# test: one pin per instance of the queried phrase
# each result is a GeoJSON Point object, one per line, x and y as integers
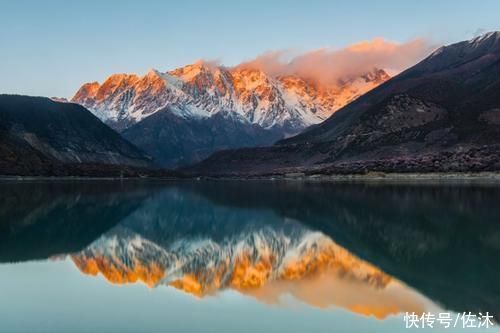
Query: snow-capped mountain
{"type": "Point", "coordinates": [268, 259]}
{"type": "Point", "coordinates": [202, 90]}
{"type": "Point", "coordinates": [183, 116]}
{"type": "Point", "coordinates": [242, 261]}
{"type": "Point", "coordinates": [440, 115]}
{"type": "Point", "coordinates": [182, 239]}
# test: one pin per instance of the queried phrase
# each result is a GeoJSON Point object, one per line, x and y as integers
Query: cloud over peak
{"type": "Point", "coordinates": [328, 66]}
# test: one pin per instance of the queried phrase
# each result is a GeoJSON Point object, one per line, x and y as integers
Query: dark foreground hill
{"type": "Point", "coordinates": [39, 136]}
{"type": "Point", "coordinates": [441, 115]}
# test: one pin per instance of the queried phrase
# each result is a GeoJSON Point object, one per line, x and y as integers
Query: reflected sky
{"type": "Point", "coordinates": [55, 297]}
{"type": "Point", "coordinates": [212, 257]}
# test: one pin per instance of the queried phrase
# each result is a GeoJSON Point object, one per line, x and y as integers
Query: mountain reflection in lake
{"type": "Point", "coordinates": [374, 251]}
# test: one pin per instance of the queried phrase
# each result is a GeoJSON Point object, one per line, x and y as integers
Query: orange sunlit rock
{"type": "Point", "coordinates": [315, 271]}
{"type": "Point", "coordinates": [118, 273]}
{"type": "Point", "coordinates": [190, 284]}
{"type": "Point", "coordinates": [258, 96]}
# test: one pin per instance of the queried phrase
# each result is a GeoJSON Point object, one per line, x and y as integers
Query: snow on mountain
{"type": "Point", "coordinates": [441, 115]}
{"type": "Point", "coordinates": [203, 266]}
{"type": "Point", "coordinates": [202, 90]}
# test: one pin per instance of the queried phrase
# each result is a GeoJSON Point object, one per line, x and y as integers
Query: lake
{"type": "Point", "coordinates": [247, 256]}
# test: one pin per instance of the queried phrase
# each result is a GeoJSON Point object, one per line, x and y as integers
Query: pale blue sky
{"type": "Point", "coordinates": [51, 47]}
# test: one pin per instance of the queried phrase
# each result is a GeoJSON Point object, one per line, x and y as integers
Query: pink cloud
{"type": "Point", "coordinates": [328, 66]}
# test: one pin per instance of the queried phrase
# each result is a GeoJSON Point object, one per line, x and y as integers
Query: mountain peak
{"type": "Point", "coordinates": [488, 39]}
{"type": "Point", "coordinates": [204, 87]}
{"type": "Point", "coordinates": [440, 115]}
{"type": "Point", "coordinates": [470, 53]}
{"type": "Point", "coordinates": [86, 92]}
{"type": "Point", "coordinates": [189, 72]}
{"type": "Point", "coordinates": [120, 77]}
{"type": "Point", "coordinates": [489, 36]}
{"type": "Point", "coordinates": [153, 73]}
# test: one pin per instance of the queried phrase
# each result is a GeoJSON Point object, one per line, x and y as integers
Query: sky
{"type": "Point", "coordinates": [49, 48]}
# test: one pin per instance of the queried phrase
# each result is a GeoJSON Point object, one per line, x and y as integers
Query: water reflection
{"type": "Point", "coordinates": [41, 219]}
{"type": "Point", "coordinates": [375, 250]}
{"type": "Point", "coordinates": [264, 261]}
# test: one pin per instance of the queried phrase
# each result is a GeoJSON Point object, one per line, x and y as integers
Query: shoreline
{"type": "Point", "coordinates": [434, 177]}
{"type": "Point", "coordinates": [371, 177]}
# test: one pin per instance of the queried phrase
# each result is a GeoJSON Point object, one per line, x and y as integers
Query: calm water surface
{"type": "Point", "coordinates": [244, 256]}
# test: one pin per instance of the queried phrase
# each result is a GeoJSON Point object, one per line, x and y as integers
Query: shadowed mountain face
{"type": "Point", "coordinates": [182, 116]}
{"type": "Point", "coordinates": [41, 137]}
{"type": "Point", "coordinates": [179, 141]}
{"type": "Point", "coordinates": [326, 244]}
{"type": "Point", "coordinates": [440, 115]}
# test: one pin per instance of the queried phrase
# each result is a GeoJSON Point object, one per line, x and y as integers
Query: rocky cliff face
{"type": "Point", "coordinates": [440, 115]}
{"type": "Point", "coordinates": [182, 116]}
{"type": "Point", "coordinates": [202, 90]}
{"type": "Point", "coordinates": [40, 136]}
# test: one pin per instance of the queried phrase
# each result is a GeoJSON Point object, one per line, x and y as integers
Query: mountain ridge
{"type": "Point", "coordinates": [201, 89]}
{"type": "Point", "coordinates": [41, 137]}
{"type": "Point", "coordinates": [439, 115]}
{"type": "Point", "coordinates": [182, 116]}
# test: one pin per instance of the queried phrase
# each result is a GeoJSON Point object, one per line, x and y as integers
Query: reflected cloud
{"type": "Point", "coordinates": [331, 289]}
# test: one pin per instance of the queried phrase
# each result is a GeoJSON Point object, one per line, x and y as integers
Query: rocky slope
{"type": "Point", "coordinates": [182, 116]}
{"type": "Point", "coordinates": [440, 115]}
{"type": "Point", "coordinates": [179, 141]}
{"type": "Point", "coordinates": [41, 137]}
